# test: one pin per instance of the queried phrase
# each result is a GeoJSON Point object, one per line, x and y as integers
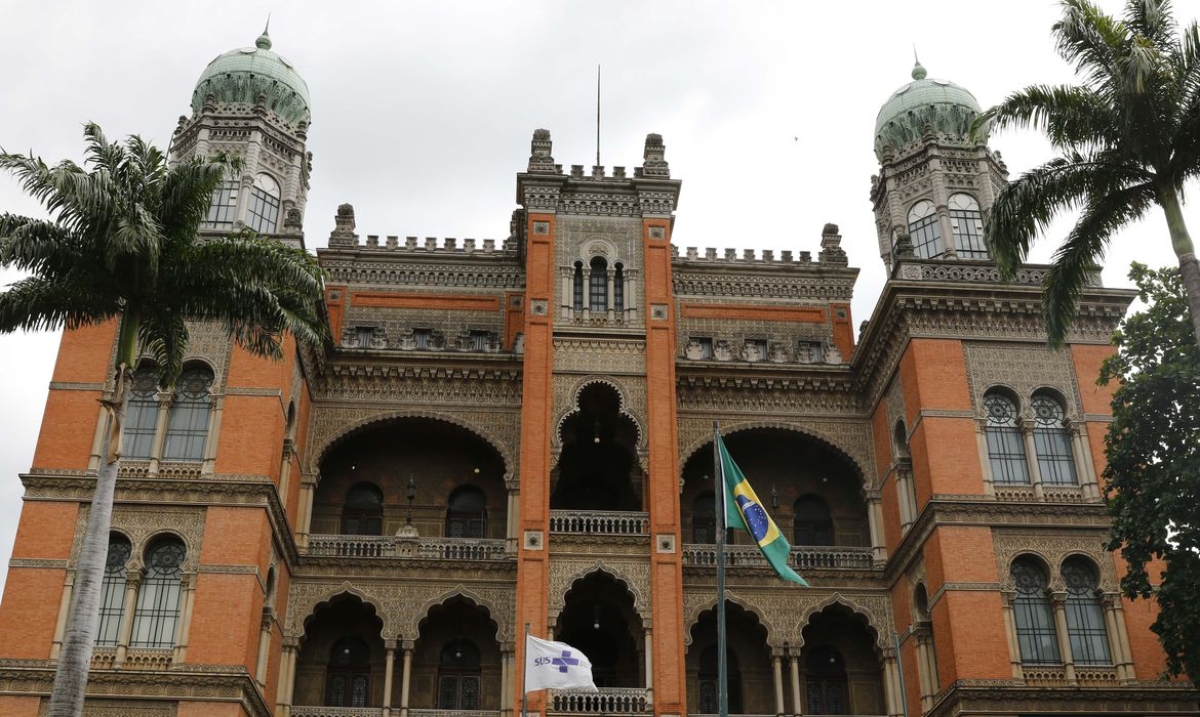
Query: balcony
{"type": "Point", "coordinates": [583, 522]}
{"type": "Point", "coordinates": [802, 558]}
{"type": "Point", "coordinates": [387, 546]}
{"type": "Point", "coordinates": [609, 701]}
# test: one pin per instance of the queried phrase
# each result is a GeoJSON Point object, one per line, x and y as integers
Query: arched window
{"type": "Point", "coordinates": [812, 524]}
{"type": "Point", "coordinates": [263, 214]}
{"type": "Point", "coordinates": [142, 414]}
{"type": "Point", "coordinates": [112, 590]}
{"type": "Point", "coordinates": [348, 676]}
{"type": "Point", "coordinates": [459, 679]}
{"type": "Point", "coordinates": [704, 521]}
{"type": "Point", "coordinates": [363, 512]}
{"type": "Point", "coordinates": [223, 206]}
{"type": "Point", "coordinates": [187, 426]}
{"type": "Point", "coordinates": [598, 284]}
{"type": "Point", "coordinates": [924, 230]}
{"type": "Point", "coordinates": [619, 287]}
{"type": "Point", "coordinates": [1034, 614]}
{"type": "Point", "coordinates": [156, 618]}
{"type": "Point", "coordinates": [466, 516]}
{"type": "Point", "coordinates": [708, 681]}
{"type": "Point", "coordinates": [1006, 448]}
{"type": "Point", "coordinates": [966, 222]}
{"type": "Point", "coordinates": [1051, 442]}
{"type": "Point", "coordinates": [577, 287]}
{"type": "Point", "coordinates": [825, 680]}
{"type": "Point", "coordinates": [1085, 615]}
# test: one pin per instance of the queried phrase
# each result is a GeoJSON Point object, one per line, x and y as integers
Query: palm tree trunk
{"type": "Point", "coordinates": [1181, 241]}
{"type": "Point", "coordinates": [71, 675]}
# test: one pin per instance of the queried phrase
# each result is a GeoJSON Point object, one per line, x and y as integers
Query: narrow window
{"type": "Point", "coordinates": [157, 616]}
{"type": "Point", "coordinates": [187, 424]}
{"type": "Point", "coordinates": [966, 223]}
{"type": "Point", "coordinates": [756, 350]}
{"type": "Point", "coordinates": [363, 512]}
{"type": "Point", "coordinates": [223, 206]}
{"type": "Point", "coordinates": [1056, 461]}
{"type": "Point", "coordinates": [1085, 615]}
{"type": "Point", "coordinates": [459, 676]}
{"type": "Point", "coordinates": [809, 352]}
{"type": "Point", "coordinates": [142, 414]}
{"type": "Point", "coordinates": [619, 288]}
{"type": "Point", "coordinates": [466, 516]}
{"type": "Point", "coordinates": [598, 285]}
{"type": "Point", "coordinates": [1006, 448]}
{"type": "Point", "coordinates": [706, 346]}
{"type": "Point", "coordinates": [422, 337]}
{"type": "Point", "coordinates": [924, 230]}
{"type": "Point", "coordinates": [112, 590]}
{"type": "Point", "coordinates": [812, 524]}
{"type": "Point", "coordinates": [1034, 615]}
{"type": "Point", "coordinates": [363, 336]}
{"type": "Point", "coordinates": [479, 340]}
{"type": "Point", "coordinates": [577, 287]}
{"type": "Point", "coordinates": [263, 215]}
{"type": "Point", "coordinates": [348, 676]}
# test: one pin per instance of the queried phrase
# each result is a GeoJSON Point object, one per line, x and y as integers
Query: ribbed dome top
{"type": "Point", "coordinates": [240, 76]}
{"type": "Point", "coordinates": [947, 107]}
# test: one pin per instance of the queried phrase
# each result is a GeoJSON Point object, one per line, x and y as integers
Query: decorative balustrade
{"type": "Point", "coordinates": [801, 558]}
{"type": "Point", "coordinates": [598, 522]}
{"type": "Point", "coordinates": [303, 711]}
{"type": "Point", "coordinates": [448, 713]}
{"type": "Point", "coordinates": [387, 546]}
{"type": "Point", "coordinates": [609, 700]}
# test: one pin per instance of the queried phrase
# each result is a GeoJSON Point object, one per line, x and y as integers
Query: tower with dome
{"type": "Point", "coordinates": [517, 432]}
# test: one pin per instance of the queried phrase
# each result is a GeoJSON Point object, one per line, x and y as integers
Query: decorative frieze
{"type": "Point", "coordinates": [1024, 368]}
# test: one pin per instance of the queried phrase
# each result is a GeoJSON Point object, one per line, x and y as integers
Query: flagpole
{"type": "Point", "coordinates": [524, 671]}
{"type": "Point", "coordinates": [719, 524]}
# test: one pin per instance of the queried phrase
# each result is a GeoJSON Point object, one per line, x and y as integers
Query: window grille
{"type": "Point", "coordinates": [924, 230]}
{"type": "Point", "coordinates": [1034, 615]}
{"type": "Point", "coordinates": [223, 207]}
{"type": "Point", "coordinates": [112, 591]}
{"type": "Point", "coordinates": [467, 513]}
{"type": "Point", "coordinates": [459, 676]}
{"type": "Point", "coordinates": [1006, 447]}
{"type": "Point", "coordinates": [348, 676]}
{"type": "Point", "coordinates": [1085, 615]}
{"type": "Point", "coordinates": [598, 285]}
{"type": "Point", "coordinates": [966, 223]}
{"type": "Point", "coordinates": [1052, 443]}
{"type": "Point", "coordinates": [142, 414]}
{"type": "Point", "coordinates": [156, 619]}
{"type": "Point", "coordinates": [187, 424]}
{"type": "Point", "coordinates": [363, 512]}
{"type": "Point", "coordinates": [263, 213]}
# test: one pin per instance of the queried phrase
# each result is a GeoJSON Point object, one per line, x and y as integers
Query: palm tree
{"type": "Point", "coordinates": [1129, 138]}
{"type": "Point", "coordinates": [122, 245]}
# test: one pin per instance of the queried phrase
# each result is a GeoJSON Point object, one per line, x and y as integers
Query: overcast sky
{"type": "Point", "coordinates": [422, 114]}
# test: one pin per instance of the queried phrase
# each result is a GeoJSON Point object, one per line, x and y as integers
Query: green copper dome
{"type": "Point", "coordinates": [241, 76]}
{"type": "Point", "coordinates": [947, 107]}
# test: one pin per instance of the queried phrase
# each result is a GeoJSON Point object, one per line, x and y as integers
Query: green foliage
{"type": "Point", "coordinates": [1129, 138]}
{"type": "Point", "coordinates": [1153, 472]}
{"type": "Point", "coordinates": [122, 243]}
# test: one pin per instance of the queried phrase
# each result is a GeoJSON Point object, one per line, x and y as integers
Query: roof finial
{"type": "Point", "coordinates": [918, 72]}
{"type": "Point", "coordinates": [264, 40]}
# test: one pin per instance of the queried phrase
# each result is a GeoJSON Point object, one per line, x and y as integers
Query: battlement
{"type": "Point", "coordinates": [343, 236]}
{"type": "Point", "coordinates": [831, 254]}
{"type": "Point", "coordinates": [541, 161]}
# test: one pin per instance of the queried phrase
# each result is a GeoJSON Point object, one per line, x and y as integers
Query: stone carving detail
{"type": "Point", "coordinates": [496, 273]}
{"type": "Point", "coordinates": [401, 606]}
{"type": "Point", "coordinates": [384, 385]}
{"type": "Point", "coordinates": [852, 439]}
{"type": "Point", "coordinates": [1024, 369]}
{"type": "Point", "coordinates": [327, 425]}
{"type": "Point", "coordinates": [603, 356]}
{"type": "Point", "coordinates": [819, 286]}
{"type": "Point", "coordinates": [634, 572]}
{"type": "Point", "coordinates": [777, 609]}
{"type": "Point", "coordinates": [142, 523]}
{"type": "Point", "coordinates": [1053, 548]}
{"type": "Point", "coordinates": [120, 708]}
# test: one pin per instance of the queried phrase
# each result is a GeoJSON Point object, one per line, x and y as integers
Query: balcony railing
{"type": "Point", "coordinates": [609, 700]}
{"type": "Point", "coordinates": [306, 711]}
{"type": "Point", "coordinates": [387, 546]}
{"type": "Point", "coordinates": [599, 522]}
{"type": "Point", "coordinates": [801, 558]}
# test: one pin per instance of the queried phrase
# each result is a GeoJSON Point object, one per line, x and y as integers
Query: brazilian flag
{"type": "Point", "coordinates": [744, 512]}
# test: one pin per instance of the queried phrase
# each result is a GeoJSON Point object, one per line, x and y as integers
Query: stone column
{"type": "Point", "coordinates": [1123, 638]}
{"type": "Point", "coordinates": [875, 524]}
{"type": "Point", "coordinates": [214, 435]}
{"type": "Point", "coordinates": [98, 437]}
{"type": "Point", "coordinates": [264, 645]}
{"type": "Point", "coordinates": [1035, 471]}
{"type": "Point", "coordinates": [925, 679]}
{"type": "Point", "coordinates": [611, 298]}
{"type": "Point", "coordinates": [287, 677]}
{"type": "Point", "coordinates": [904, 497]}
{"type": "Point", "coordinates": [1083, 468]}
{"type": "Point", "coordinates": [1114, 641]}
{"type": "Point", "coordinates": [1010, 632]}
{"type": "Point", "coordinates": [514, 503]}
{"type": "Point", "coordinates": [777, 674]}
{"type": "Point", "coordinates": [567, 293]}
{"type": "Point", "coordinates": [308, 486]}
{"type": "Point", "coordinates": [132, 581]}
{"type": "Point", "coordinates": [389, 648]}
{"type": "Point", "coordinates": [183, 629]}
{"type": "Point", "coordinates": [161, 420]}
{"type": "Point", "coordinates": [285, 471]}
{"type": "Point", "coordinates": [1059, 599]}
{"type": "Point", "coordinates": [985, 463]}
{"type": "Point", "coordinates": [406, 676]}
{"type": "Point", "coordinates": [894, 696]}
{"type": "Point", "coordinates": [794, 664]}
{"type": "Point", "coordinates": [506, 679]}
{"type": "Point", "coordinates": [64, 607]}
{"type": "Point", "coordinates": [648, 642]}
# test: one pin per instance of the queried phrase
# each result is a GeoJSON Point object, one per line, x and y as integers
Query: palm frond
{"type": "Point", "coordinates": [1074, 118]}
{"type": "Point", "coordinates": [1154, 20]}
{"type": "Point", "coordinates": [37, 245]}
{"type": "Point", "coordinates": [165, 335]}
{"type": "Point", "coordinates": [36, 304]}
{"type": "Point", "coordinates": [1090, 40]}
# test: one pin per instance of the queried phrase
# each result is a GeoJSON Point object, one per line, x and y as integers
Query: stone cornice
{"type": "Point", "coordinates": [1012, 697]}
{"type": "Point", "coordinates": [758, 279]}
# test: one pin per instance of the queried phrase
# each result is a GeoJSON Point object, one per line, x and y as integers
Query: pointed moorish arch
{"type": "Point", "coordinates": [495, 615]}
{"type": "Point", "coordinates": [573, 408]}
{"type": "Point", "coordinates": [692, 617]}
{"type": "Point", "coordinates": [874, 623]}
{"type": "Point", "coordinates": [319, 452]}
{"type": "Point", "coordinates": [558, 598]}
{"type": "Point", "coordinates": [301, 614]}
{"type": "Point", "coordinates": [824, 438]}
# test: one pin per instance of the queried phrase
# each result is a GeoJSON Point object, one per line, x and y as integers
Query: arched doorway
{"type": "Point", "coordinates": [459, 676]}
{"type": "Point", "coordinates": [342, 657]}
{"type": "Point", "coordinates": [348, 677]}
{"type": "Point", "coordinates": [597, 469]}
{"type": "Point", "coordinates": [841, 665]}
{"type": "Point", "coordinates": [598, 618]}
{"type": "Point", "coordinates": [748, 663]}
{"type": "Point", "coordinates": [825, 684]}
{"type": "Point", "coordinates": [457, 661]}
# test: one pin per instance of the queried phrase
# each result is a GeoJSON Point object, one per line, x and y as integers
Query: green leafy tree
{"type": "Point", "coordinates": [122, 245]}
{"type": "Point", "coordinates": [1153, 472]}
{"type": "Point", "coordinates": [1128, 138]}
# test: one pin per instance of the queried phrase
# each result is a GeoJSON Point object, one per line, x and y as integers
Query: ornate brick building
{"type": "Point", "coordinates": [520, 432]}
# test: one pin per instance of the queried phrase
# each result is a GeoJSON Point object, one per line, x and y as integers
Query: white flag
{"type": "Point", "coordinates": [556, 665]}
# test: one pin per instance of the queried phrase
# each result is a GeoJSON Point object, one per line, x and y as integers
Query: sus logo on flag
{"type": "Point", "coordinates": [556, 665]}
